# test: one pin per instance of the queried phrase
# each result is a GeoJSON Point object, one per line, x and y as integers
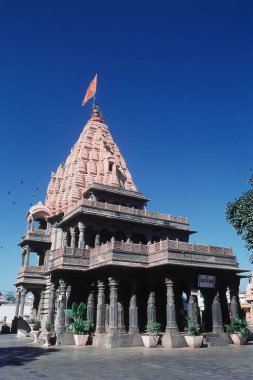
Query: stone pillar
{"type": "Point", "coordinates": [91, 307]}
{"type": "Point", "coordinates": [73, 237]}
{"type": "Point", "coordinates": [40, 304]}
{"type": "Point", "coordinates": [171, 326]}
{"type": "Point", "coordinates": [51, 306]}
{"type": "Point", "coordinates": [193, 309]}
{"type": "Point", "coordinates": [97, 239]}
{"type": "Point", "coordinates": [224, 305]}
{"type": "Point", "coordinates": [121, 318]}
{"type": "Point", "coordinates": [234, 308]}
{"type": "Point", "coordinates": [22, 258]}
{"type": "Point", "coordinates": [100, 322]}
{"type": "Point", "coordinates": [65, 239]}
{"type": "Point", "coordinates": [81, 241]}
{"type": "Point", "coordinates": [22, 302]}
{"type": "Point", "coordinates": [217, 317]}
{"type": "Point", "coordinates": [68, 306]}
{"type": "Point", "coordinates": [133, 310]}
{"type": "Point", "coordinates": [61, 306]}
{"type": "Point", "coordinates": [27, 264]}
{"type": "Point", "coordinates": [129, 235]}
{"type": "Point", "coordinates": [234, 305]}
{"type": "Point", "coordinates": [113, 310]}
{"type": "Point", "coordinates": [151, 309]}
{"type": "Point", "coordinates": [18, 295]}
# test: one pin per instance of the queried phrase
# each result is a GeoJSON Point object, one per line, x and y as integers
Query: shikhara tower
{"type": "Point", "coordinates": [97, 243]}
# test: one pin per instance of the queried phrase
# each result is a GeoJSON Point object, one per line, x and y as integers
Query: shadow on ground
{"type": "Point", "coordinates": [17, 356]}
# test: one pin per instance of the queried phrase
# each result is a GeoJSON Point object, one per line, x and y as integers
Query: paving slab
{"type": "Point", "coordinates": [20, 359]}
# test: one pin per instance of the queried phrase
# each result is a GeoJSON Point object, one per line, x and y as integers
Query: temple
{"type": "Point", "coordinates": [96, 242]}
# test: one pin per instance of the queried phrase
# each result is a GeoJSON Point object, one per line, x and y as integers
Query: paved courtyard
{"type": "Point", "coordinates": [21, 359]}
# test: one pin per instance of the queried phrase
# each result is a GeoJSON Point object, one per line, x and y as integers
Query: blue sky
{"type": "Point", "coordinates": [175, 87]}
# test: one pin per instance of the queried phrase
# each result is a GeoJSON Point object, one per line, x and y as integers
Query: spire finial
{"type": "Point", "coordinates": [96, 113]}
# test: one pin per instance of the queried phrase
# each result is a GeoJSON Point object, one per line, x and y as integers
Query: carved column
{"type": "Point", "coordinates": [65, 239]}
{"type": "Point", "coordinates": [22, 258]}
{"type": "Point", "coordinates": [40, 304]}
{"type": "Point", "coordinates": [217, 317]}
{"type": "Point", "coordinates": [121, 318]}
{"type": "Point", "coordinates": [97, 239]}
{"type": "Point", "coordinates": [22, 302]}
{"type": "Point", "coordinates": [234, 305]}
{"type": "Point", "coordinates": [113, 310]}
{"type": "Point", "coordinates": [100, 322]}
{"type": "Point", "coordinates": [73, 237]}
{"type": "Point", "coordinates": [151, 309]}
{"type": "Point", "coordinates": [27, 264]}
{"type": "Point", "coordinates": [133, 310]}
{"type": "Point", "coordinates": [224, 305]}
{"type": "Point", "coordinates": [171, 326]}
{"type": "Point", "coordinates": [129, 235]}
{"type": "Point", "coordinates": [18, 295]}
{"type": "Point", "coordinates": [81, 241]}
{"type": "Point", "coordinates": [51, 306]}
{"type": "Point", "coordinates": [91, 306]}
{"type": "Point", "coordinates": [193, 309]}
{"type": "Point", "coordinates": [68, 306]}
{"type": "Point", "coordinates": [61, 306]}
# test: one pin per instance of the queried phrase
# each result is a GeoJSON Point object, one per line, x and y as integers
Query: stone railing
{"type": "Point", "coordinates": [141, 248]}
{"type": "Point", "coordinates": [173, 251]}
{"type": "Point", "coordinates": [32, 268]}
{"type": "Point", "coordinates": [120, 246]}
{"type": "Point", "coordinates": [127, 210]}
{"type": "Point", "coordinates": [189, 247]}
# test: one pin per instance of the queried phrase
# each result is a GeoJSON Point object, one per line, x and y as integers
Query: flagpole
{"type": "Point", "coordinates": [94, 98]}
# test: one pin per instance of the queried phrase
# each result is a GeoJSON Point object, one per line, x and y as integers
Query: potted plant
{"type": "Point", "coordinates": [36, 330]}
{"type": "Point", "coordinates": [151, 337]}
{"type": "Point", "coordinates": [47, 334]}
{"type": "Point", "coordinates": [79, 326]}
{"type": "Point", "coordinates": [193, 338]}
{"type": "Point", "coordinates": [238, 330]}
{"type": "Point", "coordinates": [31, 323]}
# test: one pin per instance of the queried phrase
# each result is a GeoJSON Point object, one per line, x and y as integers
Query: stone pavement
{"type": "Point", "coordinates": [21, 359]}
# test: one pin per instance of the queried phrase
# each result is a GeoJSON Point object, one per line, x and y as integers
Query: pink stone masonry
{"type": "Point", "coordinates": [95, 158]}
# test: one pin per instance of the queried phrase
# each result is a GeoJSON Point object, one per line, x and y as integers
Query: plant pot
{"type": "Point", "coordinates": [47, 336]}
{"type": "Point", "coordinates": [31, 325]}
{"type": "Point", "coordinates": [238, 340]}
{"type": "Point", "coordinates": [36, 335]}
{"type": "Point", "coordinates": [194, 341]}
{"type": "Point", "coordinates": [81, 340]}
{"type": "Point", "coordinates": [150, 341]}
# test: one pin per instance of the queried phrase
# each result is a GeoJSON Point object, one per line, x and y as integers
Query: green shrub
{"type": "Point", "coordinates": [153, 328]}
{"type": "Point", "coordinates": [239, 327]}
{"type": "Point", "coordinates": [76, 313]}
{"type": "Point", "coordinates": [192, 327]}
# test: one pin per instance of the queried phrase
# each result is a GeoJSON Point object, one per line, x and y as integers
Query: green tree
{"type": "Point", "coordinates": [239, 214]}
{"type": "Point", "coordinates": [10, 296]}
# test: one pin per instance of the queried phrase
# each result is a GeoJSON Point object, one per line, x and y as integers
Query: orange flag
{"type": "Point", "coordinates": [91, 91]}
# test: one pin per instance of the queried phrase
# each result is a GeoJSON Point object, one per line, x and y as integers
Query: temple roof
{"type": "Point", "coordinates": [94, 159]}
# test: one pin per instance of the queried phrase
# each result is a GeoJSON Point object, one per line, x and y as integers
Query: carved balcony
{"type": "Point", "coordinates": [141, 255]}
{"type": "Point", "coordinates": [32, 275]}
{"type": "Point", "coordinates": [36, 236]}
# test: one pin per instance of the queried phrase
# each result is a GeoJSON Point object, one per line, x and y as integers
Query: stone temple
{"type": "Point", "coordinates": [96, 242]}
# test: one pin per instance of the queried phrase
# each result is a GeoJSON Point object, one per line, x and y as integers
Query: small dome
{"type": "Point", "coordinates": [38, 211]}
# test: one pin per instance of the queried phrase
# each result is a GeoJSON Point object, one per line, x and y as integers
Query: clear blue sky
{"type": "Point", "coordinates": [175, 86]}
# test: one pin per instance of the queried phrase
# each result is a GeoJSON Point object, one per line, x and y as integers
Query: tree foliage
{"type": "Point", "coordinates": [239, 214]}
{"type": "Point", "coordinates": [10, 296]}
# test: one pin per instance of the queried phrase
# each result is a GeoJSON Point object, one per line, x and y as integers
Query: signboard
{"type": "Point", "coordinates": [206, 281]}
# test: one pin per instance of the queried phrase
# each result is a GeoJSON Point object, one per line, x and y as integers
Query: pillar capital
{"type": "Point", "coordinates": [81, 226]}
{"type": "Point", "coordinates": [169, 282]}
{"type": "Point", "coordinates": [113, 282]}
